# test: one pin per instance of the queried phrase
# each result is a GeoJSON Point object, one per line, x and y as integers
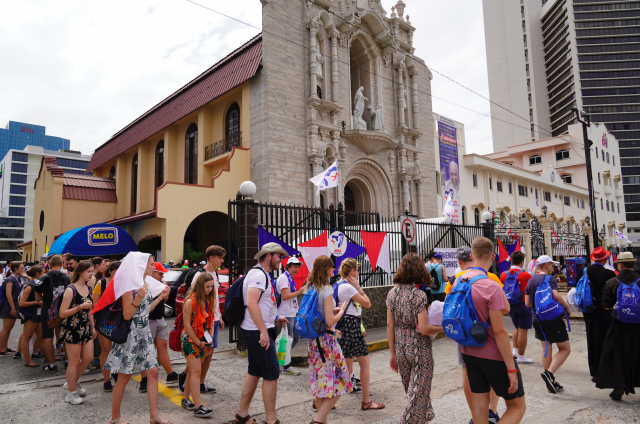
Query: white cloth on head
{"type": "Point", "coordinates": [155, 287]}
{"type": "Point", "coordinates": [130, 275]}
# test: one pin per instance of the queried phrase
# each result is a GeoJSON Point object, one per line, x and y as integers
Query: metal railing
{"type": "Point", "coordinates": [222, 146]}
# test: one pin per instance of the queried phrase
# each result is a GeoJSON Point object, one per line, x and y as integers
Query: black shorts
{"type": "Point", "coordinates": [555, 330]}
{"type": "Point", "coordinates": [487, 374]}
{"type": "Point", "coordinates": [262, 363]}
{"type": "Point", "coordinates": [47, 333]}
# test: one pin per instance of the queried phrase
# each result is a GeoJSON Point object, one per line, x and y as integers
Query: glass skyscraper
{"type": "Point", "coordinates": [18, 135]}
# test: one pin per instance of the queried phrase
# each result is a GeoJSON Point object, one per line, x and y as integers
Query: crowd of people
{"type": "Point", "coordinates": [490, 370]}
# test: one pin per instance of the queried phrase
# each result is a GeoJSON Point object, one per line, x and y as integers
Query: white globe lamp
{"type": "Point", "coordinates": [487, 216]}
{"type": "Point", "coordinates": [248, 189]}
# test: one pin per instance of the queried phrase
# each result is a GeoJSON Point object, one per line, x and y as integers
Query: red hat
{"type": "Point", "coordinates": [159, 267]}
{"type": "Point", "coordinates": [600, 254]}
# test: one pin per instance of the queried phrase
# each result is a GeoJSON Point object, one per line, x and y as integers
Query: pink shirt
{"type": "Point", "coordinates": [487, 296]}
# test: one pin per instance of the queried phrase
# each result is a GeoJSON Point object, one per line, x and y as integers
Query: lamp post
{"type": "Point", "coordinates": [524, 222]}
{"type": "Point", "coordinates": [487, 216]}
{"type": "Point", "coordinates": [629, 243]}
{"type": "Point", "coordinates": [587, 157]}
{"type": "Point", "coordinates": [544, 210]}
{"type": "Point", "coordinates": [602, 234]}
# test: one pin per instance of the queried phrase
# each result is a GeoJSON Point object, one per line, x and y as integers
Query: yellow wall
{"type": "Point", "coordinates": [47, 198]}
{"type": "Point", "coordinates": [79, 213]}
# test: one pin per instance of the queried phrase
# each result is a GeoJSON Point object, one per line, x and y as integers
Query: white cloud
{"type": "Point", "coordinates": [87, 69]}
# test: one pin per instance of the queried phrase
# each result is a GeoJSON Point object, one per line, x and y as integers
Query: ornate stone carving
{"type": "Point", "coordinates": [314, 140]}
{"type": "Point", "coordinates": [386, 59]}
{"type": "Point", "coordinates": [319, 63]}
{"type": "Point", "coordinates": [369, 142]}
{"type": "Point", "coordinates": [377, 121]}
{"type": "Point", "coordinates": [358, 110]}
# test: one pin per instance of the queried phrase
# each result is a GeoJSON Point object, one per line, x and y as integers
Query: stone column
{"type": "Point", "coordinates": [342, 161]}
{"type": "Point", "coordinates": [416, 105]}
{"type": "Point", "coordinates": [406, 180]}
{"type": "Point", "coordinates": [316, 164]}
{"type": "Point", "coordinates": [401, 102]}
{"type": "Point", "coordinates": [420, 198]}
{"type": "Point", "coordinates": [334, 65]}
{"type": "Point", "coordinates": [588, 230]}
{"type": "Point", "coordinates": [525, 241]}
{"type": "Point", "coordinates": [546, 230]}
{"type": "Point", "coordinates": [313, 28]}
{"type": "Point", "coordinates": [248, 244]}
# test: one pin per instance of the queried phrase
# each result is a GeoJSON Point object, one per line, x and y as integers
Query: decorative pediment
{"type": "Point", "coordinates": [370, 142]}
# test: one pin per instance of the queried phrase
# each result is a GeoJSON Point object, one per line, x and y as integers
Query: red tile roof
{"type": "Point", "coordinates": [132, 218]}
{"type": "Point", "coordinates": [89, 187]}
{"type": "Point", "coordinates": [233, 70]}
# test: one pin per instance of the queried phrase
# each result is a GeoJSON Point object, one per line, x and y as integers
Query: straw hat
{"type": "Point", "coordinates": [625, 257]}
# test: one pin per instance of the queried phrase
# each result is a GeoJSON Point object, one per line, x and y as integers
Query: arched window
{"type": "Point", "coordinates": [191, 155]}
{"type": "Point", "coordinates": [613, 159]}
{"type": "Point", "coordinates": [599, 181]}
{"type": "Point", "coordinates": [618, 207]}
{"type": "Point", "coordinates": [134, 183]}
{"type": "Point", "coordinates": [607, 157]}
{"type": "Point", "coordinates": [567, 178]}
{"type": "Point", "coordinates": [596, 153]}
{"type": "Point", "coordinates": [319, 92]}
{"type": "Point", "coordinates": [607, 203]}
{"type": "Point", "coordinates": [112, 172]}
{"type": "Point", "coordinates": [160, 163]}
{"type": "Point", "coordinates": [602, 155]}
{"type": "Point", "coordinates": [601, 204]}
{"type": "Point", "coordinates": [562, 154]}
{"type": "Point", "coordinates": [464, 215]}
{"type": "Point", "coordinates": [232, 126]}
{"type": "Point", "coordinates": [535, 160]}
{"type": "Point", "coordinates": [476, 217]}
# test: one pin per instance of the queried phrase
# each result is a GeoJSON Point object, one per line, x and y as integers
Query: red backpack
{"type": "Point", "coordinates": [175, 335]}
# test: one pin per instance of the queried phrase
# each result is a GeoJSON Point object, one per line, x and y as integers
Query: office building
{"type": "Point", "coordinates": [18, 172]}
{"type": "Point", "coordinates": [18, 135]}
{"type": "Point", "coordinates": [547, 56]}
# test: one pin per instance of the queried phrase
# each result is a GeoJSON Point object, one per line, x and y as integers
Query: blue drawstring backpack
{"type": "Point", "coordinates": [512, 288]}
{"type": "Point", "coordinates": [546, 307]}
{"type": "Point", "coordinates": [308, 323]}
{"type": "Point", "coordinates": [582, 296]}
{"type": "Point", "coordinates": [459, 317]}
{"type": "Point", "coordinates": [628, 300]}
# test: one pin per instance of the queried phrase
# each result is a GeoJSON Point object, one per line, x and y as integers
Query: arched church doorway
{"type": "Point", "coordinates": [349, 200]}
{"type": "Point", "coordinates": [207, 229]}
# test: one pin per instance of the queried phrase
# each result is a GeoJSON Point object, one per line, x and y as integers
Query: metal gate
{"type": "Point", "coordinates": [567, 244]}
{"type": "Point", "coordinates": [538, 247]}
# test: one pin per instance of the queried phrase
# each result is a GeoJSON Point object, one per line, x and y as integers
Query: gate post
{"type": "Point", "coordinates": [248, 244]}
{"type": "Point", "coordinates": [525, 241]}
{"type": "Point", "coordinates": [340, 217]}
{"type": "Point", "coordinates": [546, 230]}
{"type": "Point", "coordinates": [589, 232]}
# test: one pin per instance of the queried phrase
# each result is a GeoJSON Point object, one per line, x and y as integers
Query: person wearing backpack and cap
{"type": "Point", "coordinates": [288, 307]}
{"type": "Point", "coordinates": [553, 331]}
{"type": "Point", "coordinates": [597, 323]}
{"type": "Point", "coordinates": [618, 369]}
{"type": "Point", "coordinates": [441, 272]}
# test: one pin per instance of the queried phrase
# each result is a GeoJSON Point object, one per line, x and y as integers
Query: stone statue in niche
{"type": "Point", "coordinates": [358, 110]}
{"type": "Point", "coordinates": [319, 62]}
{"type": "Point", "coordinates": [377, 123]}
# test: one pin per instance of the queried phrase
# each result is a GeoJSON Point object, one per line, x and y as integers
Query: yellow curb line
{"type": "Point", "coordinates": [174, 396]}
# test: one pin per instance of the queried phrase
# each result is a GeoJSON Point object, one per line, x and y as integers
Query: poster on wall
{"type": "Point", "coordinates": [449, 169]}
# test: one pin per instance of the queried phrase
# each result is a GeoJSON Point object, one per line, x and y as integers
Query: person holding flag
{"type": "Point", "coordinates": [137, 354]}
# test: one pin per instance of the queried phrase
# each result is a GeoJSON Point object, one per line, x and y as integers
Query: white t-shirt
{"type": "Point", "coordinates": [345, 292]}
{"type": "Point", "coordinates": [287, 308]}
{"type": "Point", "coordinates": [216, 284]}
{"type": "Point", "coordinates": [267, 303]}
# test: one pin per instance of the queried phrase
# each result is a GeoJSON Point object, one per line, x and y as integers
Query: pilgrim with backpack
{"type": "Point", "coordinates": [588, 297]}
{"type": "Point", "coordinates": [285, 290]}
{"type": "Point", "coordinates": [618, 368]}
{"type": "Point", "coordinates": [549, 311]}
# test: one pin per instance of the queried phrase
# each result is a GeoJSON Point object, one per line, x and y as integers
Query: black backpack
{"type": "Point", "coordinates": [435, 281]}
{"type": "Point", "coordinates": [234, 306]}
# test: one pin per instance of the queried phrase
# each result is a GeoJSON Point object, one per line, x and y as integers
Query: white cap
{"type": "Point", "coordinates": [170, 260]}
{"type": "Point", "coordinates": [203, 263]}
{"type": "Point", "coordinates": [294, 261]}
{"type": "Point", "coordinates": [546, 259]}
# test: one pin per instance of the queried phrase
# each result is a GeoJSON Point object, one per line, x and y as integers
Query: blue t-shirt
{"type": "Point", "coordinates": [533, 285]}
{"type": "Point", "coordinates": [438, 267]}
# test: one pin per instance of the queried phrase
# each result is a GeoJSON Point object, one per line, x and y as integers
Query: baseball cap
{"type": "Point", "coordinates": [170, 261]}
{"type": "Point", "coordinates": [294, 261]}
{"type": "Point", "coordinates": [546, 259]}
{"type": "Point", "coordinates": [203, 263]}
{"type": "Point", "coordinates": [157, 266]}
{"type": "Point", "coordinates": [464, 253]}
{"type": "Point", "coordinates": [438, 256]}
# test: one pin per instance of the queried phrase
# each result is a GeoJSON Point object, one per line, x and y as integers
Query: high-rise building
{"type": "Point", "coordinates": [18, 135]}
{"type": "Point", "coordinates": [18, 172]}
{"type": "Point", "coordinates": [547, 56]}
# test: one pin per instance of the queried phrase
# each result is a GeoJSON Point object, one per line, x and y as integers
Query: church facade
{"type": "Point", "coordinates": [340, 83]}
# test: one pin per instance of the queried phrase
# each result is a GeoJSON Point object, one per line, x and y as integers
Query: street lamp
{"type": "Point", "coordinates": [524, 222]}
{"type": "Point", "coordinates": [544, 210]}
{"type": "Point", "coordinates": [587, 220]}
{"type": "Point", "coordinates": [602, 233]}
{"type": "Point", "coordinates": [487, 216]}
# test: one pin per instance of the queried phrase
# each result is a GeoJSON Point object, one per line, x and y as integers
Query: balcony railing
{"type": "Point", "coordinates": [221, 147]}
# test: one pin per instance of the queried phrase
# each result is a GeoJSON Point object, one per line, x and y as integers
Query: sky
{"type": "Point", "coordinates": [87, 69]}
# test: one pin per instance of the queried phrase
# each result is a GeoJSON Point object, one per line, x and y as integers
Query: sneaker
{"type": "Point", "coordinates": [514, 351]}
{"type": "Point", "coordinates": [548, 379]}
{"type": "Point", "coordinates": [73, 398]}
{"type": "Point", "coordinates": [17, 355]}
{"type": "Point", "coordinates": [107, 386]}
{"type": "Point", "coordinates": [524, 360]}
{"type": "Point", "coordinates": [38, 355]}
{"type": "Point", "coordinates": [81, 392]}
{"type": "Point", "coordinates": [172, 378]}
{"type": "Point", "coordinates": [356, 390]}
{"type": "Point", "coordinates": [142, 387]}
{"type": "Point", "coordinates": [206, 389]}
{"type": "Point", "coordinates": [94, 365]}
{"type": "Point", "coordinates": [493, 417]}
{"type": "Point", "coordinates": [59, 352]}
{"type": "Point", "coordinates": [558, 387]}
{"type": "Point", "coordinates": [203, 412]}
{"type": "Point", "coordinates": [182, 377]}
{"type": "Point", "coordinates": [290, 371]}
{"type": "Point", "coordinates": [354, 379]}
{"type": "Point", "coordinates": [187, 404]}
{"type": "Point", "coordinates": [50, 368]}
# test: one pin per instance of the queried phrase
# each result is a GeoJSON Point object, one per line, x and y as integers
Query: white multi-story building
{"type": "Point", "coordinates": [18, 172]}
{"type": "Point", "coordinates": [546, 57]}
{"type": "Point", "coordinates": [524, 178]}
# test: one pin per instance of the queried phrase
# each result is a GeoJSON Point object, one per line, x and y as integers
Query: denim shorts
{"type": "Point", "coordinates": [262, 363]}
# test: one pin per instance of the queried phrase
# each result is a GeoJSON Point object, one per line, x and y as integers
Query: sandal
{"type": "Point", "coordinates": [31, 364]}
{"type": "Point", "coordinates": [242, 420]}
{"type": "Point", "coordinates": [119, 421]}
{"type": "Point", "coordinates": [370, 405]}
{"type": "Point", "coordinates": [155, 421]}
{"type": "Point", "coordinates": [6, 353]}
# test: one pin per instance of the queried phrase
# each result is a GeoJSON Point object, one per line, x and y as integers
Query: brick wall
{"type": "Point", "coordinates": [376, 316]}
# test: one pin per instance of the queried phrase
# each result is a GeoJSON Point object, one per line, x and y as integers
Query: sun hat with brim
{"type": "Point", "coordinates": [271, 248]}
{"type": "Point", "coordinates": [625, 257]}
{"type": "Point", "coordinates": [546, 259]}
{"type": "Point", "coordinates": [600, 254]}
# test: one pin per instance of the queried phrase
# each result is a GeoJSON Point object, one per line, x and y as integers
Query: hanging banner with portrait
{"type": "Point", "coordinates": [449, 169]}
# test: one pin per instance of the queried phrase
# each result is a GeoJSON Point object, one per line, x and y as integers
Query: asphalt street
{"type": "Point", "coordinates": [32, 396]}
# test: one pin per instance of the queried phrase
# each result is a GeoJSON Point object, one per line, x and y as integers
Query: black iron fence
{"type": "Point", "coordinates": [220, 147]}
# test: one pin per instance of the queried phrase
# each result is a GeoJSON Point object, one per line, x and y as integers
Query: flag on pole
{"type": "Point", "coordinates": [327, 178]}
{"type": "Point", "coordinates": [129, 277]}
{"type": "Point", "coordinates": [620, 235]}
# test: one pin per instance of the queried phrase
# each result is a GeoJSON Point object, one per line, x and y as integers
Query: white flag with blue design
{"type": "Point", "coordinates": [620, 235]}
{"type": "Point", "coordinates": [327, 178]}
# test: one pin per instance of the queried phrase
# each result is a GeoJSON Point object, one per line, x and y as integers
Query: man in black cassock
{"type": "Point", "coordinates": [597, 322]}
{"type": "Point", "coordinates": [620, 361]}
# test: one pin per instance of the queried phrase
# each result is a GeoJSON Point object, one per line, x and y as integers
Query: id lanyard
{"type": "Point", "coordinates": [479, 269]}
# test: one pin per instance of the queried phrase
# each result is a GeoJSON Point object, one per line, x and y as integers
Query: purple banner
{"type": "Point", "coordinates": [449, 169]}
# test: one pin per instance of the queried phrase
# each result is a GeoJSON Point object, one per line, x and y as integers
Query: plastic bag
{"type": "Point", "coordinates": [435, 314]}
{"type": "Point", "coordinates": [571, 301]}
{"type": "Point", "coordinates": [283, 347]}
